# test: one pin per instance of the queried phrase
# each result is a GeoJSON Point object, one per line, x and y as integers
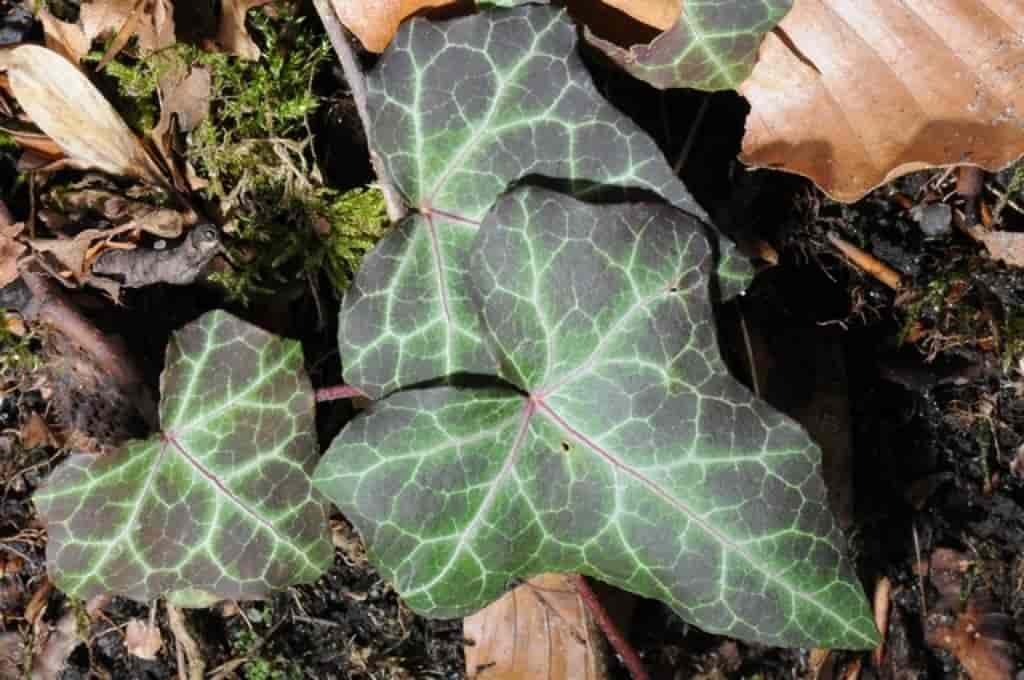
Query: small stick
{"type": "Point", "coordinates": [868, 262]}
{"type": "Point", "coordinates": [357, 85]}
{"type": "Point", "coordinates": [691, 136]}
{"type": "Point", "coordinates": [883, 602]}
{"type": "Point", "coordinates": [618, 641]}
{"type": "Point", "coordinates": [336, 392]}
{"type": "Point", "coordinates": [185, 641]}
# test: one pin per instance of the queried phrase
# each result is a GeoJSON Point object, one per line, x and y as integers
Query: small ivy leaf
{"type": "Point", "coordinates": [622, 449]}
{"type": "Point", "coordinates": [460, 110]}
{"type": "Point", "coordinates": [713, 45]}
{"type": "Point", "coordinates": [217, 505]}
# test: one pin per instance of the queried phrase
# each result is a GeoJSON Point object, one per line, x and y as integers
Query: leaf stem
{"type": "Point", "coordinates": [357, 86]}
{"type": "Point", "coordinates": [630, 659]}
{"type": "Point", "coordinates": [335, 392]}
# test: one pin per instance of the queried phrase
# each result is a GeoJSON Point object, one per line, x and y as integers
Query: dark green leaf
{"type": "Point", "coordinates": [621, 448]}
{"type": "Point", "coordinates": [460, 110]}
{"type": "Point", "coordinates": [713, 45]}
{"type": "Point", "coordinates": [219, 504]}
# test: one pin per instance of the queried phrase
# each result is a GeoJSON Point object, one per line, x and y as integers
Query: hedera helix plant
{"type": "Point", "coordinates": [539, 334]}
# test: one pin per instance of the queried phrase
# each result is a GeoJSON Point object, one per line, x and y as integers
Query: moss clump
{"type": "Point", "coordinates": [18, 355]}
{"type": "Point", "coordinates": [255, 149]}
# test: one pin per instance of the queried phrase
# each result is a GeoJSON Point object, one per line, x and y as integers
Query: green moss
{"type": "Point", "coordinates": [256, 151]}
{"type": "Point", "coordinates": [18, 357]}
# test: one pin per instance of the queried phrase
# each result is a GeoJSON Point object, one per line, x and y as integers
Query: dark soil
{"type": "Point", "coordinates": [921, 408]}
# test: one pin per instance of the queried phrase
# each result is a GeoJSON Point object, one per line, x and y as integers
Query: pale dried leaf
{"type": "Point", "coordinates": [67, 107]}
{"type": "Point", "coordinates": [10, 251]}
{"type": "Point", "coordinates": [142, 639]}
{"type": "Point", "coordinates": [152, 21]}
{"type": "Point", "coordinates": [67, 39]}
{"type": "Point", "coordinates": [73, 254]}
{"type": "Point", "coordinates": [539, 631]}
{"type": "Point", "coordinates": [232, 36]}
{"type": "Point", "coordinates": [862, 91]}
{"type": "Point", "coordinates": [1004, 245]}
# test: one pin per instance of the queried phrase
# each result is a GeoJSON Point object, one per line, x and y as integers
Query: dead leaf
{"type": "Point", "coordinates": [67, 107]}
{"type": "Point", "coordinates": [185, 102]}
{"type": "Point", "coordinates": [35, 432]}
{"type": "Point", "coordinates": [374, 22]}
{"type": "Point", "coordinates": [1006, 246]}
{"type": "Point", "coordinates": [72, 254]}
{"type": "Point", "coordinates": [539, 630]}
{"type": "Point", "coordinates": [232, 35]}
{"type": "Point", "coordinates": [152, 21]}
{"type": "Point", "coordinates": [10, 251]}
{"type": "Point", "coordinates": [979, 640]}
{"type": "Point", "coordinates": [142, 639]}
{"type": "Point", "coordinates": [854, 93]}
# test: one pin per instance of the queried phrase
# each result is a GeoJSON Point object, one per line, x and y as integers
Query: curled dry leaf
{"type": "Point", "coordinates": [10, 251]}
{"type": "Point", "coordinates": [232, 35]}
{"type": "Point", "coordinates": [151, 21]}
{"type": "Point", "coordinates": [862, 91]}
{"type": "Point", "coordinates": [67, 107]}
{"type": "Point", "coordinates": [539, 630]}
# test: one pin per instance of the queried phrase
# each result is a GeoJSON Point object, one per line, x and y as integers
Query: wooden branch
{"type": "Point", "coordinates": [867, 262]}
{"type": "Point", "coordinates": [357, 85]}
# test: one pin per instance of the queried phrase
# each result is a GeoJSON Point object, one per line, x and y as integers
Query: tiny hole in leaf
{"type": "Point", "coordinates": [566, 448]}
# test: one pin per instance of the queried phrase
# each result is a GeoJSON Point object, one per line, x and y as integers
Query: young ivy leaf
{"type": "Point", "coordinates": [217, 505]}
{"type": "Point", "coordinates": [622, 448]}
{"type": "Point", "coordinates": [461, 109]}
{"type": "Point", "coordinates": [713, 45]}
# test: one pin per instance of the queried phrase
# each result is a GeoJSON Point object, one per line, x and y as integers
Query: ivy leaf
{"type": "Point", "coordinates": [460, 110]}
{"type": "Point", "coordinates": [217, 505]}
{"type": "Point", "coordinates": [620, 448]}
{"type": "Point", "coordinates": [713, 45]}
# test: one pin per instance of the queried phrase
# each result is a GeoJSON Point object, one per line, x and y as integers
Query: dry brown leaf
{"type": "Point", "coordinates": [538, 631]}
{"type": "Point", "coordinates": [74, 254]}
{"type": "Point", "coordinates": [142, 639]}
{"type": "Point", "coordinates": [859, 92]}
{"type": "Point", "coordinates": [67, 107]}
{"type": "Point", "coordinates": [152, 21]}
{"type": "Point", "coordinates": [1006, 246]}
{"type": "Point", "coordinates": [232, 35]}
{"type": "Point", "coordinates": [35, 432]}
{"type": "Point", "coordinates": [10, 251]}
{"type": "Point", "coordinates": [185, 103]}
{"type": "Point", "coordinates": [980, 640]}
{"type": "Point", "coordinates": [375, 22]}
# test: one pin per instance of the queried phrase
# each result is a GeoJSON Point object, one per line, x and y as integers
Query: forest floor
{"type": "Point", "coordinates": [916, 395]}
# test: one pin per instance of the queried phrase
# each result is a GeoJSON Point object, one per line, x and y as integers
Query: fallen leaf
{"type": "Point", "coordinates": [142, 639]}
{"type": "Point", "coordinates": [73, 253]}
{"type": "Point", "coordinates": [35, 432]}
{"type": "Point", "coordinates": [979, 639]}
{"type": "Point", "coordinates": [10, 251]}
{"type": "Point", "coordinates": [374, 22]}
{"type": "Point", "coordinates": [151, 21]}
{"type": "Point", "coordinates": [539, 631]}
{"type": "Point", "coordinates": [854, 93]}
{"type": "Point", "coordinates": [184, 103]}
{"type": "Point", "coordinates": [67, 107]}
{"type": "Point", "coordinates": [232, 35]}
{"type": "Point", "coordinates": [1007, 246]}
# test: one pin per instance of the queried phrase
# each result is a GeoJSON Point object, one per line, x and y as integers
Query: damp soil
{"type": "Point", "coordinates": [918, 396]}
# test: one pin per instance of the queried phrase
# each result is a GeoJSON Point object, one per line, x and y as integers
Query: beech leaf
{"type": "Point", "coordinates": [617, 446]}
{"type": "Point", "coordinates": [863, 91]}
{"type": "Point", "coordinates": [460, 110]}
{"type": "Point", "coordinates": [219, 503]}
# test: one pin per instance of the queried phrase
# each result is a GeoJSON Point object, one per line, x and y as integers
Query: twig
{"type": "Point", "coordinates": [616, 639]}
{"type": "Point", "coordinates": [868, 262]}
{"type": "Point", "coordinates": [357, 85]}
{"type": "Point", "coordinates": [336, 392]}
{"type": "Point", "coordinates": [691, 136]}
{"type": "Point", "coordinates": [185, 641]}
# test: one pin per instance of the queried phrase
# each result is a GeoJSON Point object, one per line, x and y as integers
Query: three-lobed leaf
{"type": "Point", "coordinates": [217, 505]}
{"type": "Point", "coordinates": [712, 46]}
{"type": "Point", "coordinates": [460, 111]}
{"type": "Point", "coordinates": [617, 445]}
